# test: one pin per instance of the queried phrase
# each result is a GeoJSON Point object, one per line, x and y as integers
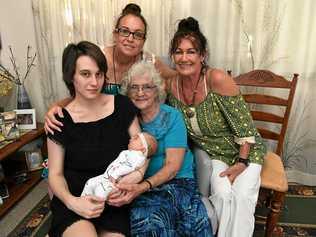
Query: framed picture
{"type": "Point", "coordinates": [4, 193]}
{"type": "Point", "coordinates": [34, 160]}
{"type": "Point", "coordinates": [2, 137]}
{"type": "Point", "coordinates": [8, 126]}
{"type": "Point", "coordinates": [26, 118]}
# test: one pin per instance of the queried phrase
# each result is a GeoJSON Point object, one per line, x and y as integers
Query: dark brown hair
{"type": "Point", "coordinates": [132, 9]}
{"type": "Point", "coordinates": [0, 44]}
{"type": "Point", "coordinates": [70, 56]}
{"type": "Point", "coordinates": [188, 28]}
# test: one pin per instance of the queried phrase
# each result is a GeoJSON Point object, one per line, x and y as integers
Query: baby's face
{"type": "Point", "coordinates": [135, 143]}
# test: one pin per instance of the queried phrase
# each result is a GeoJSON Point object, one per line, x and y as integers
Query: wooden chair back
{"type": "Point", "coordinates": [273, 178]}
{"type": "Point", "coordinates": [267, 79]}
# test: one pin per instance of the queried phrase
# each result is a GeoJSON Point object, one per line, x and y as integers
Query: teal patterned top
{"type": "Point", "coordinates": [219, 124]}
{"type": "Point", "coordinates": [111, 88]}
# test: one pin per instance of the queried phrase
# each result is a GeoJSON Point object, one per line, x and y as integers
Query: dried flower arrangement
{"type": "Point", "coordinates": [7, 79]}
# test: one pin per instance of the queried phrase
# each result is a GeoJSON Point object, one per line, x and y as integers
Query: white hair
{"type": "Point", "coordinates": [139, 69]}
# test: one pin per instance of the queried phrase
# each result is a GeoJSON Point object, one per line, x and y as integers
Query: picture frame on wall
{"type": "Point", "coordinates": [34, 160]}
{"type": "Point", "coordinates": [26, 118]}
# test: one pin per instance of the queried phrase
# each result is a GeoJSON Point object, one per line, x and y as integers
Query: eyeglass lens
{"type": "Point", "coordinates": [144, 88]}
{"type": "Point", "coordinates": [126, 33]}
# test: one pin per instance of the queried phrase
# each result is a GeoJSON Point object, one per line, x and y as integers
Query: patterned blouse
{"type": "Point", "coordinates": [219, 125]}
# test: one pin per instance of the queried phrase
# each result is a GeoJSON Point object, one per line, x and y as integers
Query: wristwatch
{"type": "Point", "coordinates": [245, 161]}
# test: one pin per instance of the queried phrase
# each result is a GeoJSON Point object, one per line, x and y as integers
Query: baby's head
{"type": "Point", "coordinates": [143, 142]}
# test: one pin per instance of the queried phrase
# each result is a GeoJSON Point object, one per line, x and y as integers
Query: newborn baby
{"type": "Point", "coordinates": [127, 162]}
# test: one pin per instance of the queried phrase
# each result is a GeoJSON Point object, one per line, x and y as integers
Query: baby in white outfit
{"type": "Point", "coordinates": [127, 162]}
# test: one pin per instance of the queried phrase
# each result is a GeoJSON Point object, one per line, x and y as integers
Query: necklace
{"type": "Point", "coordinates": [185, 99]}
{"type": "Point", "coordinates": [113, 59]}
{"type": "Point", "coordinates": [190, 112]}
{"type": "Point", "coordinates": [114, 73]}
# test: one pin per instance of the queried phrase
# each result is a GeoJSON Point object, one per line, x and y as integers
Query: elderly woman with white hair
{"type": "Point", "coordinates": [166, 203]}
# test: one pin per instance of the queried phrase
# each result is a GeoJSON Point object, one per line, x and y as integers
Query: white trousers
{"type": "Point", "coordinates": [234, 203]}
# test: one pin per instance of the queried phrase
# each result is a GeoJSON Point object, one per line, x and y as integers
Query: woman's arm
{"type": "Point", "coordinates": [88, 206]}
{"type": "Point", "coordinates": [233, 171]}
{"type": "Point", "coordinates": [51, 122]}
{"type": "Point", "coordinates": [173, 163]}
{"type": "Point", "coordinates": [134, 129]}
{"type": "Point", "coordinates": [56, 178]}
{"type": "Point", "coordinates": [164, 70]}
{"type": "Point", "coordinates": [223, 84]}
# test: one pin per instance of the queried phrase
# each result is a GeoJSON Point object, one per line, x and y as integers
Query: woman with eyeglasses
{"type": "Point", "coordinates": [166, 202]}
{"type": "Point", "coordinates": [229, 149]}
{"type": "Point", "coordinates": [129, 36]}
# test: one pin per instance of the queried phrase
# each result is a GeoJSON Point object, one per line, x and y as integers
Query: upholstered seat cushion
{"type": "Point", "coordinates": [272, 174]}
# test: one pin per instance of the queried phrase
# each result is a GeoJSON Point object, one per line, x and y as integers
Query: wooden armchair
{"type": "Point", "coordinates": [273, 178]}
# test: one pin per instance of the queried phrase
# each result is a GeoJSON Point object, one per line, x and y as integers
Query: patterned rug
{"type": "Point", "coordinates": [36, 223]}
{"type": "Point", "coordinates": [298, 216]}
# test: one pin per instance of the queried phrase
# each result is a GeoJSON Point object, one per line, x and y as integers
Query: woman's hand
{"type": "Point", "coordinates": [129, 193]}
{"type": "Point", "coordinates": [50, 120]}
{"type": "Point", "coordinates": [87, 206]}
{"type": "Point", "coordinates": [132, 178]}
{"type": "Point", "coordinates": [233, 171]}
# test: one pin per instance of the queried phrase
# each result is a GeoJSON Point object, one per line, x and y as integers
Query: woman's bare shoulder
{"type": "Point", "coordinates": [221, 83]}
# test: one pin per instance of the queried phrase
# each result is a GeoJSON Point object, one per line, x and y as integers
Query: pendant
{"type": "Point", "coordinates": [190, 112]}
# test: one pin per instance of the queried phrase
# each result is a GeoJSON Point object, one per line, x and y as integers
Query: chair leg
{"type": "Point", "coordinates": [277, 202]}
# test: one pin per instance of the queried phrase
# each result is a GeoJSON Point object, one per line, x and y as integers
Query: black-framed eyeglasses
{"type": "Point", "coordinates": [145, 88]}
{"type": "Point", "coordinates": [138, 35]}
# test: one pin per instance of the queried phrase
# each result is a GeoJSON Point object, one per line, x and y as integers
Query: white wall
{"type": "Point", "coordinates": [17, 30]}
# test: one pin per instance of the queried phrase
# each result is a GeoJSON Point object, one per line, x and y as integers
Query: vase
{"type": "Point", "coordinates": [23, 100]}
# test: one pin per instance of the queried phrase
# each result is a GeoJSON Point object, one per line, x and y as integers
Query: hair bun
{"type": "Point", "coordinates": [131, 8]}
{"type": "Point", "coordinates": [189, 24]}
